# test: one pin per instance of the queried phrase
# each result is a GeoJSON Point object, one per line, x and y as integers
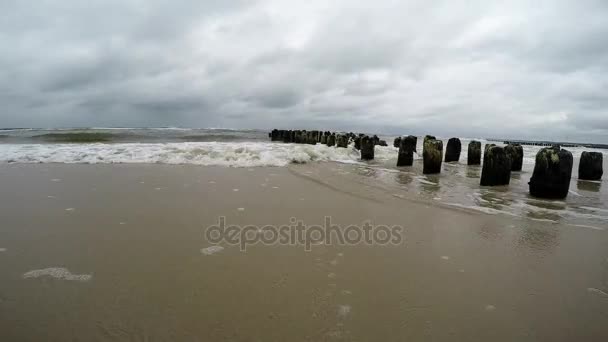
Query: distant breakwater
{"type": "Point", "coordinates": [548, 143]}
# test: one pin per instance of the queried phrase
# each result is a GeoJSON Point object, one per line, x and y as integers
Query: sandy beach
{"type": "Point", "coordinates": [118, 252]}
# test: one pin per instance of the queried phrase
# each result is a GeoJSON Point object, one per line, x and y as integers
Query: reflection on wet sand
{"type": "Point", "coordinates": [473, 171]}
{"type": "Point", "coordinates": [366, 171]}
{"type": "Point", "coordinates": [541, 215]}
{"type": "Point", "coordinates": [491, 232]}
{"type": "Point", "coordinates": [589, 186]}
{"type": "Point", "coordinates": [546, 204]}
{"type": "Point", "coordinates": [538, 238]}
{"type": "Point", "coordinates": [403, 178]}
{"type": "Point", "coordinates": [493, 199]}
{"type": "Point", "coordinates": [429, 184]}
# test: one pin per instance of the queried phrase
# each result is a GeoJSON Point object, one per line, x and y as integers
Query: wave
{"type": "Point", "coordinates": [233, 154]}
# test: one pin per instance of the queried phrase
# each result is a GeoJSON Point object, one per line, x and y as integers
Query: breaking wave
{"type": "Point", "coordinates": [234, 154]}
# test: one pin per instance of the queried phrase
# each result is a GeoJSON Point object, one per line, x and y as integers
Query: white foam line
{"type": "Point", "coordinates": [2, 250]}
{"type": "Point", "coordinates": [595, 209]}
{"type": "Point", "coordinates": [57, 273]}
{"type": "Point", "coordinates": [485, 210]}
{"type": "Point", "coordinates": [586, 226]}
{"type": "Point", "coordinates": [424, 181]}
{"type": "Point", "coordinates": [212, 250]}
{"type": "Point", "coordinates": [542, 220]}
{"type": "Point", "coordinates": [597, 291]}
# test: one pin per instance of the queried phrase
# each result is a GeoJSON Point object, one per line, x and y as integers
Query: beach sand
{"type": "Point", "coordinates": [114, 253]}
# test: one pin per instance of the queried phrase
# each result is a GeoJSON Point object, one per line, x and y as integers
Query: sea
{"type": "Point", "coordinates": [457, 186]}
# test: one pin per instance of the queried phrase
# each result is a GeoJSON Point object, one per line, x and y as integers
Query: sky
{"type": "Point", "coordinates": [512, 69]}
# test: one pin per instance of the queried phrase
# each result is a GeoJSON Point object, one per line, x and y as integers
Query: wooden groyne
{"type": "Point", "coordinates": [552, 169]}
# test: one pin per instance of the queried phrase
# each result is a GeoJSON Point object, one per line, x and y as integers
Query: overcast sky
{"type": "Point", "coordinates": [528, 69]}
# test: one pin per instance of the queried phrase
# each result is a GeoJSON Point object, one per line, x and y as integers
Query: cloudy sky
{"type": "Point", "coordinates": [528, 69]}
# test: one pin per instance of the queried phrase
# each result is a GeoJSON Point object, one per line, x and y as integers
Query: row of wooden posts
{"type": "Point", "coordinates": [550, 179]}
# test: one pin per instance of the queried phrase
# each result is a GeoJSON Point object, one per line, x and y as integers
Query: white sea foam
{"type": "Point", "coordinates": [2, 250]}
{"type": "Point", "coordinates": [344, 310]}
{"type": "Point", "coordinates": [212, 250]}
{"type": "Point", "coordinates": [602, 210]}
{"type": "Point", "coordinates": [235, 154]}
{"type": "Point", "coordinates": [543, 220]}
{"type": "Point", "coordinates": [423, 180]}
{"type": "Point", "coordinates": [58, 273]}
{"type": "Point", "coordinates": [587, 226]}
{"type": "Point", "coordinates": [597, 291]}
{"type": "Point", "coordinates": [486, 210]}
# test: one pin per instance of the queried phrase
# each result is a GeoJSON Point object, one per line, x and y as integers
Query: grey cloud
{"type": "Point", "coordinates": [486, 69]}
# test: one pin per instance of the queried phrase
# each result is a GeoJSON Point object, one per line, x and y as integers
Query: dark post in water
{"type": "Point", "coordinates": [341, 141]}
{"type": "Point", "coordinates": [496, 168]}
{"type": "Point", "coordinates": [397, 142]}
{"type": "Point", "coordinates": [516, 153]}
{"type": "Point", "coordinates": [367, 148]}
{"type": "Point", "coordinates": [324, 138]}
{"type": "Point", "coordinates": [552, 173]}
{"type": "Point", "coordinates": [407, 146]}
{"type": "Point", "coordinates": [432, 155]}
{"type": "Point", "coordinates": [452, 151]}
{"type": "Point", "coordinates": [357, 141]}
{"type": "Point", "coordinates": [590, 166]}
{"type": "Point", "coordinates": [331, 139]}
{"type": "Point", "coordinates": [474, 153]}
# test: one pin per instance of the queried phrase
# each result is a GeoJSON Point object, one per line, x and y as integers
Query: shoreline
{"type": "Point", "coordinates": [130, 261]}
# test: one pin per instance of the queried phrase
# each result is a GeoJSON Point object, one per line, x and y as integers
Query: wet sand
{"type": "Point", "coordinates": [137, 231]}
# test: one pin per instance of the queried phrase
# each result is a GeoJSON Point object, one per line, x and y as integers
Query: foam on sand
{"type": "Point", "coordinates": [343, 310]}
{"type": "Point", "coordinates": [597, 291]}
{"type": "Point", "coordinates": [2, 250]}
{"type": "Point", "coordinates": [211, 250]}
{"type": "Point", "coordinates": [57, 273]}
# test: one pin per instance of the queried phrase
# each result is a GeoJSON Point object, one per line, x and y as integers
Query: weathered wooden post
{"type": "Point", "coordinates": [485, 149]}
{"type": "Point", "coordinates": [274, 135]}
{"type": "Point", "coordinates": [312, 138]}
{"type": "Point", "coordinates": [474, 153]}
{"type": "Point", "coordinates": [367, 148]}
{"type": "Point", "coordinates": [324, 138]}
{"type": "Point", "coordinates": [341, 140]}
{"type": "Point", "coordinates": [590, 166]}
{"type": "Point", "coordinates": [286, 136]}
{"type": "Point", "coordinates": [331, 139]}
{"type": "Point", "coordinates": [552, 173]}
{"type": "Point", "coordinates": [376, 140]}
{"type": "Point", "coordinates": [301, 137]}
{"type": "Point", "coordinates": [397, 142]}
{"type": "Point", "coordinates": [407, 146]}
{"type": "Point", "coordinates": [496, 168]}
{"type": "Point", "coordinates": [452, 151]}
{"type": "Point", "coordinates": [516, 153]}
{"type": "Point", "coordinates": [432, 155]}
{"type": "Point", "coordinates": [358, 142]}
